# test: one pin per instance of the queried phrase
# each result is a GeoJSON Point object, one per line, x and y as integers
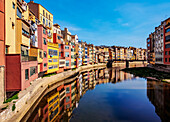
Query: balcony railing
{"type": "Point", "coordinates": [167, 25]}
{"type": "Point", "coordinates": [25, 58]}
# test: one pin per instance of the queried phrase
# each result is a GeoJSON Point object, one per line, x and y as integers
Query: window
{"type": "Point", "coordinates": [32, 71]}
{"type": "Point", "coordinates": [43, 21]}
{"type": "Point", "coordinates": [40, 54]}
{"type": "Point", "coordinates": [167, 46]}
{"type": "Point", "coordinates": [68, 106]}
{"type": "Point", "coordinates": [67, 62]}
{"type": "Point", "coordinates": [55, 60]}
{"type": "Point", "coordinates": [25, 32]}
{"type": "Point", "coordinates": [45, 42]}
{"type": "Point", "coordinates": [46, 22]}
{"type": "Point", "coordinates": [59, 45]}
{"type": "Point", "coordinates": [166, 53]}
{"type": "Point", "coordinates": [67, 54]}
{"type": "Point", "coordinates": [52, 52]}
{"type": "Point", "coordinates": [45, 64]}
{"type": "Point", "coordinates": [68, 90]}
{"type": "Point", "coordinates": [58, 37]}
{"type": "Point", "coordinates": [13, 5]}
{"type": "Point", "coordinates": [165, 59]}
{"type": "Point", "coordinates": [68, 99]}
{"type": "Point", "coordinates": [6, 50]}
{"type": "Point", "coordinates": [167, 38]}
{"type": "Point", "coordinates": [167, 30]}
{"type": "Point", "coordinates": [50, 67]}
{"type": "Point", "coordinates": [169, 59]}
{"type": "Point", "coordinates": [49, 17]}
{"type": "Point", "coordinates": [45, 54]}
{"type": "Point", "coordinates": [26, 74]}
{"type": "Point", "coordinates": [60, 54]}
{"type": "Point", "coordinates": [43, 12]}
{"type": "Point", "coordinates": [148, 45]}
{"type": "Point", "coordinates": [66, 47]}
{"type": "Point", "coordinates": [49, 24]}
{"type": "Point", "coordinates": [19, 14]}
{"type": "Point", "coordinates": [44, 31]}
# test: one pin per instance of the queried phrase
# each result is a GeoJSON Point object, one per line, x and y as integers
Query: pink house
{"type": "Point", "coordinates": [42, 44]}
{"type": "Point", "coordinates": [67, 54]}
{"type": "Point", "coordinates": [20, 71]}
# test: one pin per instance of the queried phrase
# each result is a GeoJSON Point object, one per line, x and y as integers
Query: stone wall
{"type": "Point", "coordinates": [2, 84]}
{"type": "Point", "coordinates": [31, 95]}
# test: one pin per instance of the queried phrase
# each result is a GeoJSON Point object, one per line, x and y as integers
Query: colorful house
{"type": "Point", "coordinates": [67, 48]}
{"type": "Point", "coordinates": [166, 42]}
{"type": "Point", "coordinates": [58, 39]}
{"type": "Point", "coordinates": [53, 57]}
{"type": "Point", "coordinates": [21, 67]}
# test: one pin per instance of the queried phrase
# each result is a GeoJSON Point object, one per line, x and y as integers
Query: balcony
{"type": "Point", "coordinates": [26, 58]}
{"type": "Point", "coordinates": [167, 25]}
{"type": "Point", "coordinates": [49, 35]}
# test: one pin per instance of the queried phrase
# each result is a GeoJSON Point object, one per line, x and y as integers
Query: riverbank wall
{"type": "Point", "coordinates": [33, 94]}
{"type": "Point", "coordinates": [131, 64]}
{"type": "Point", "coordinates": [162, 68]}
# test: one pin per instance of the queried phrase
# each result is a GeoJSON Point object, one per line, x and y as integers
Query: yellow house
{"type": "Point", "coordinates": [36, 52]}
{"type": "Point", "coordinates": [45, 18]}
{"type": "Point", "coordinates": [53, 106]}
{"type": "Point", "coordinates": [53, 57]}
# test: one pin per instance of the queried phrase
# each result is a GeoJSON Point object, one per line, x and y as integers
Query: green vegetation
{"type": "Point", "coordinates": [13, 107]}
{"type": "Point", "coordinates": [12, 98]}
{"type": "Point", "coordinates": [4, 107]}
{"type": "Point", "coordinates": [48, 75]}
{"type": "Point", "coordinates": [73, 69]}
{"type": "Point", "coordinates": [147, 72]}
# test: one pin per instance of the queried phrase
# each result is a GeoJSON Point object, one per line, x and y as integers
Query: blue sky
{"type": "Point", "coordinates": [109, 22]}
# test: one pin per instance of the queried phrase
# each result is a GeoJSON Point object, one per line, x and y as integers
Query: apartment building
{"type": "Point", "coordinates": [42, 44]}
{"type": "Point", "coordinates": [21, 67]}
{"type": "Point", "coordinates": [167, 42]}
{"type": "Point", "coordinates": [58, 39]}
{"type": "Point", "coordinates": [150, 49]}
{"type": "Point", "coordinates": [67, 47]}
{"type": "Point", "coordinates": [159, 44]}
{"type": "Point", "coordinates": [45, 18]}
{"type": "Point", "coordinates": [84, 54]}
{"type": "Point", "coordinates": [79, 53]}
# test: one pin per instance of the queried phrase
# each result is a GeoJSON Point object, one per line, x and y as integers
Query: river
{"type": "Point", "coordinates": [105, 95]}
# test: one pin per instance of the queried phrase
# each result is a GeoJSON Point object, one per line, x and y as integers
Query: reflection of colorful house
{"type": "Point", "coordinates": [45, 113]}
{"type": "Point", "coordinates": [67, 101]}
{"type": "Point", "coordinates": [62, 95]}
{"type": "Point", "coordinates": [53, 106]}
{"type": "Point", "coordinates": [73, 92]}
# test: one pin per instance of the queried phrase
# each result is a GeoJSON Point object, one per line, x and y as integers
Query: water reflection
{"type": "Point", "coordinates": [58, 105]}
{"type": "Point", "coordinates": [159, 95]}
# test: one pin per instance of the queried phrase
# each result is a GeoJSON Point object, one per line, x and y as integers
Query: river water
{"type": "Point", "coordinates": [105, 95]}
